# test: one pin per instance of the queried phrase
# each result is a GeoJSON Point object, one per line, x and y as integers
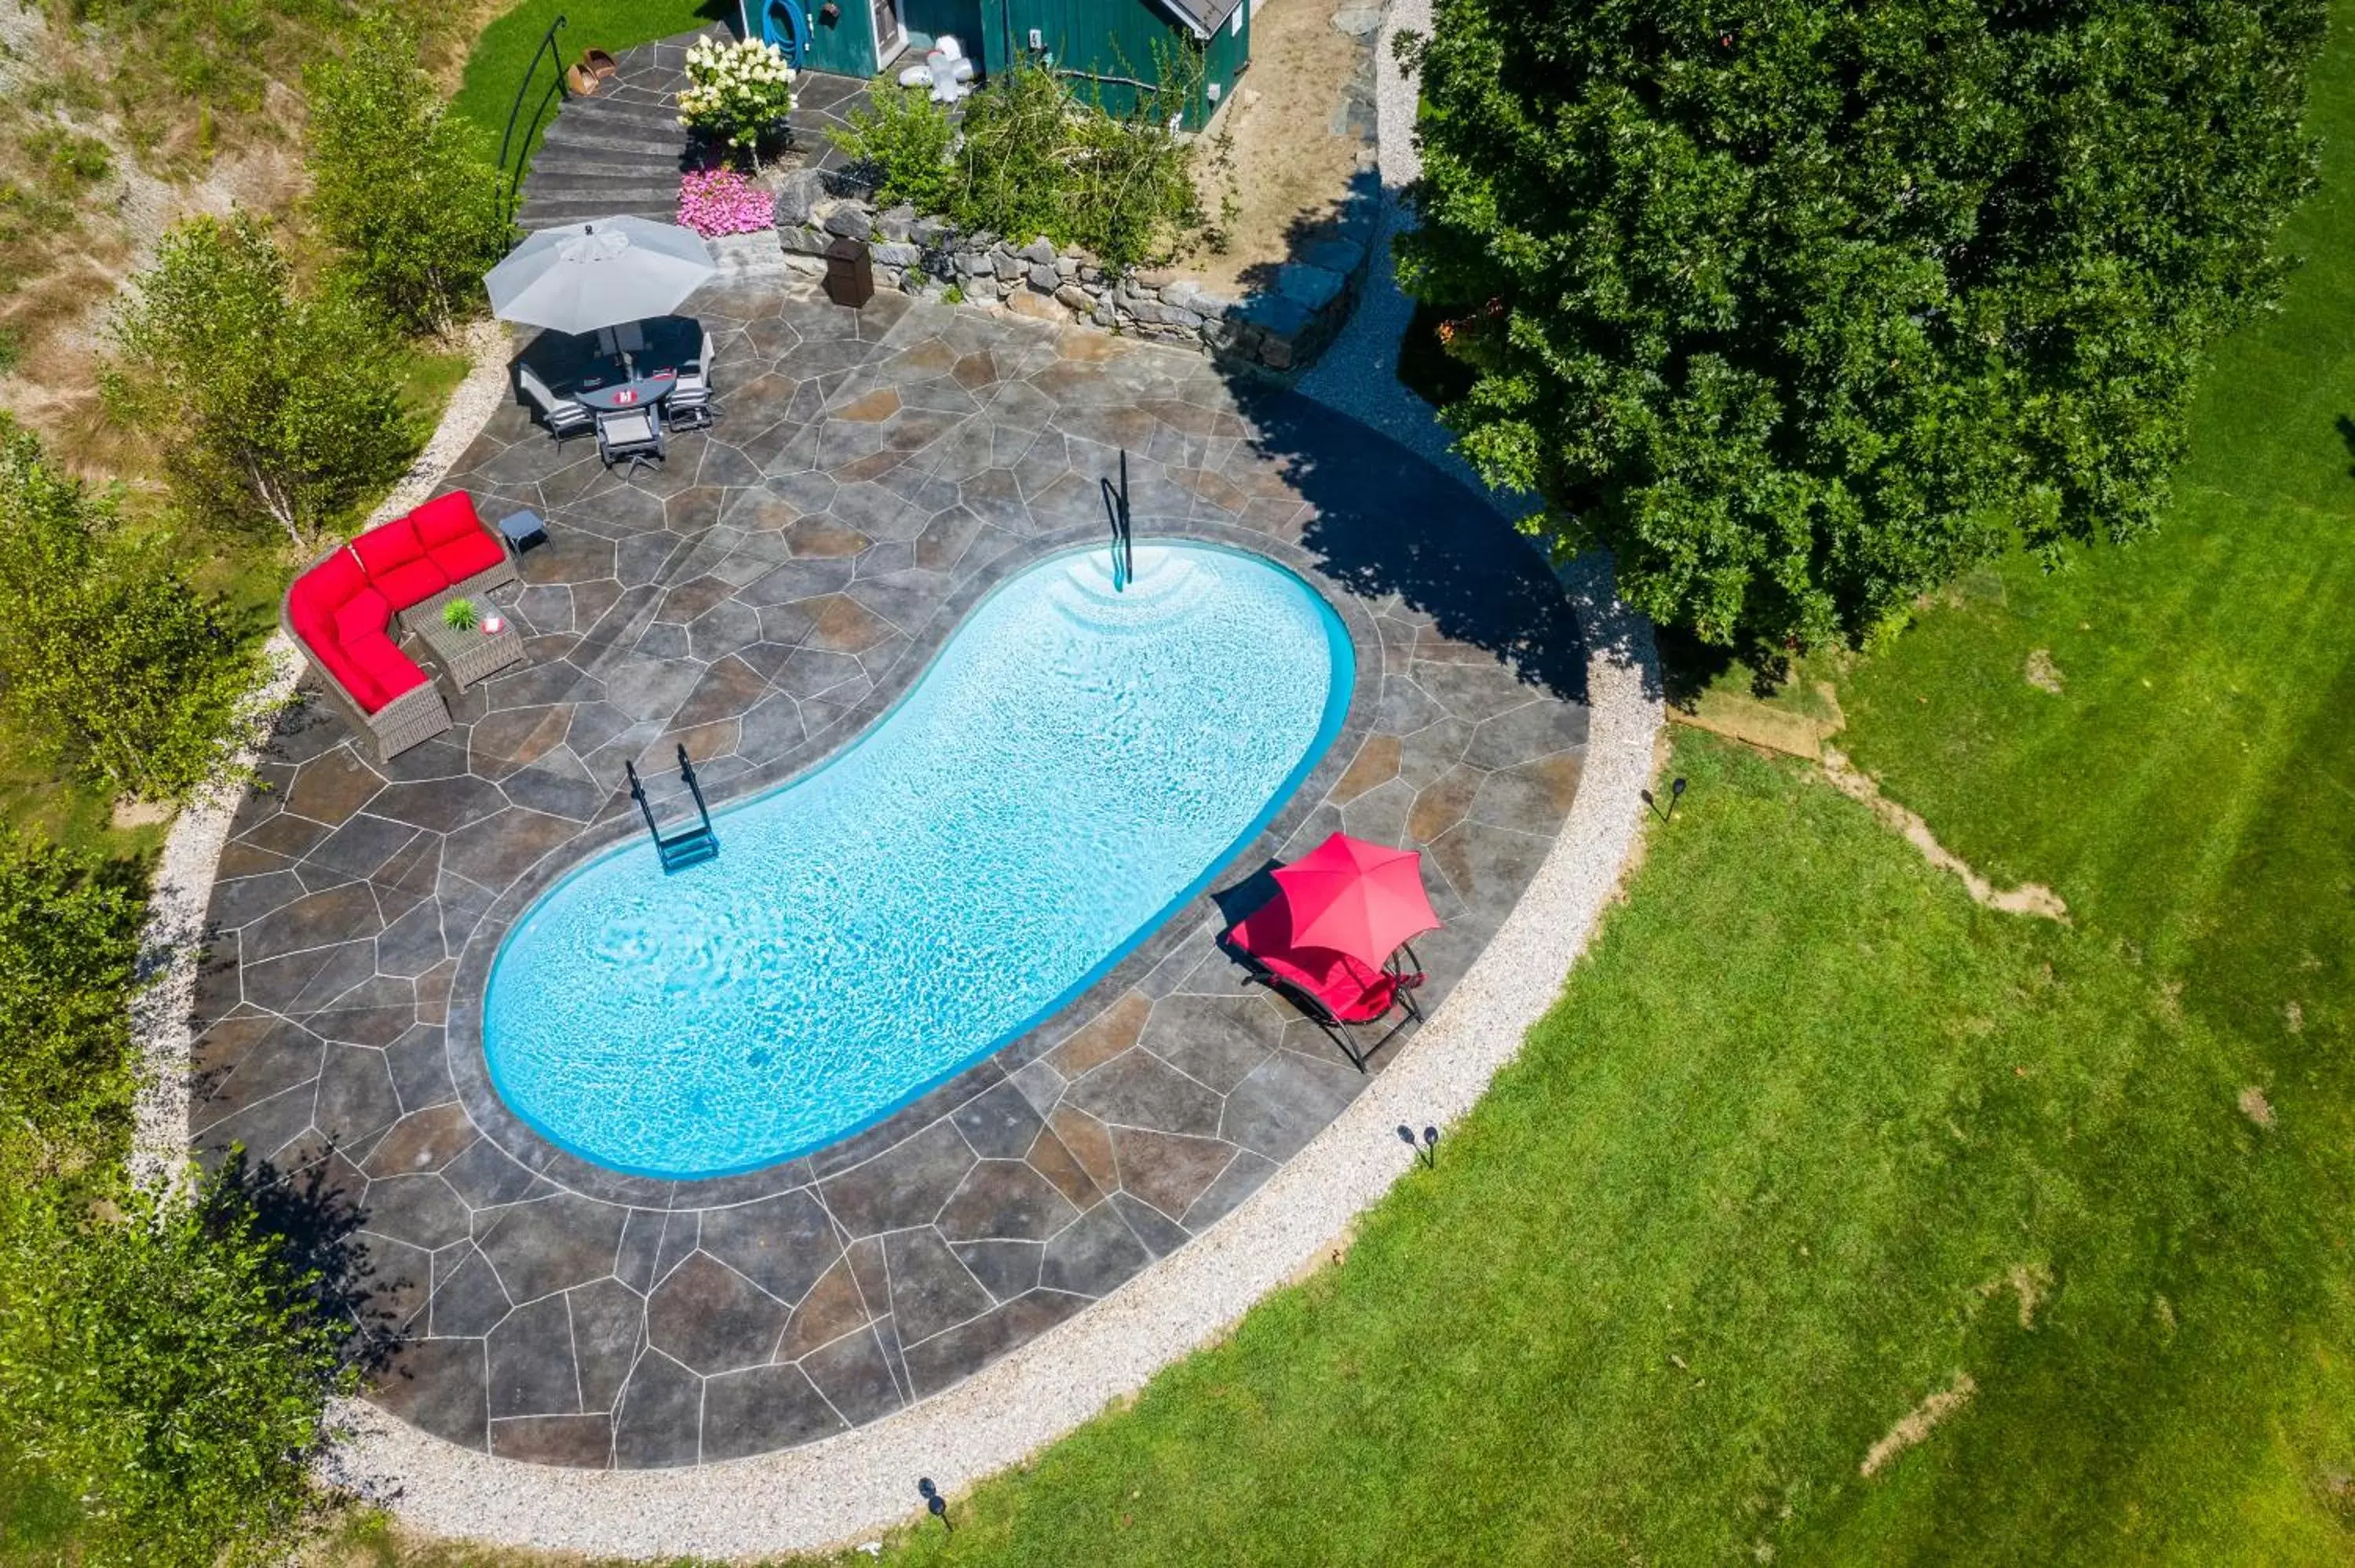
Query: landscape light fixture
{"type": "Point", "coordinates": [1428, 1151]}
{"type": "Point", "coordinates": [1676, 793]}
{"type": "Point", "coordinates": [934, 1504]}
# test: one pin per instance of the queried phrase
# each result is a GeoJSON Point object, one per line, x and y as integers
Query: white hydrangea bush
{"type": "Point", "coordinates": [737, 92]}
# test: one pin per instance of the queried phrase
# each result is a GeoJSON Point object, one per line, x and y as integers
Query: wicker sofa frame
{"type": "Point", "coordinates": [417, 716]}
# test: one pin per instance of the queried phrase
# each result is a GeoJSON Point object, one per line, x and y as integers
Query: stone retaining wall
{"type": "Point", "coordinates": [1280, 329]}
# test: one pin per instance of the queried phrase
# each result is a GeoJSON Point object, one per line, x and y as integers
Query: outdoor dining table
{"type": "Point", "coordinates": [630, 393]}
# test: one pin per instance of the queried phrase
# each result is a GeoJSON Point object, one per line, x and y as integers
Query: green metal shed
{"type": "Point", "coordinates": [1113, 50]}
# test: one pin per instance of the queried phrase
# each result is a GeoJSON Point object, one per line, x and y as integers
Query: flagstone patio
{"type": "Point", "coordinates": [763, 601]}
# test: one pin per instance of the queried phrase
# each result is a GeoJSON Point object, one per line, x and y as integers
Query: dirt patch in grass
{"type": "Point", "coordinates": [1290, 148]}
{"type": "Point", "coordinates": [2030, 1282]}
{"type": "Point", "coordinates": [2042, 672]}
{"type": "Point", "coordinates": [1919, 1423]}
{"type": "Point", "coordinates": [2028, 898]}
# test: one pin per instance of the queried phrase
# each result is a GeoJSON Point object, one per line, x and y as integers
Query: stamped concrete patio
{"type": "Point", "coordinates": [872, 476]}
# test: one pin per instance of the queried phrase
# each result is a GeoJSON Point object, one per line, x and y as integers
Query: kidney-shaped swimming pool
{"type": "Point", "coordinates": [1075, 764]}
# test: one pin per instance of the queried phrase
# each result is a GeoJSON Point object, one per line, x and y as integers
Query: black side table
{"type": "Point", "coordinates": [522, 530]}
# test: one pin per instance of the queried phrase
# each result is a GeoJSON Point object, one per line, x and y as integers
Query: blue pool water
{"type": "Point", "coordinates": [1075, 764]}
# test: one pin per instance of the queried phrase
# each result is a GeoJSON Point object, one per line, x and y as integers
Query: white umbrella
{"type": "Point", "coordinates": [579, 276]}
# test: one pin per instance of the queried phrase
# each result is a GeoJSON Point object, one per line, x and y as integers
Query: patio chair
{"type": "Point", "coordinates": [1337, 991]}
{"type": "Point", "coordinates": [688, 406]}
{"type": "Point", "coordinates": [562, 416]}
{"type": "Point", "coordinates": [631, 436]}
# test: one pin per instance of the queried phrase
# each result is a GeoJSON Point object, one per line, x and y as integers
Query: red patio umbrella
{"type": "Point", "coordinates": [1357, 898]}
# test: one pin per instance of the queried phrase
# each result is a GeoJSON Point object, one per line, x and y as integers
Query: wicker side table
{"type": "Point", "coordinates": [472, 655]}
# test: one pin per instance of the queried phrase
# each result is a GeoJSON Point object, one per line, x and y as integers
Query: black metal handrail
{"type": "Point", "coordinates": [694, 844]}
{"type": "Point", "coordinates": [694, 786]}
{"type": "Point", "coordinates": [1123, 541]}
{"type": "Point", "coordinates": [556, 58]}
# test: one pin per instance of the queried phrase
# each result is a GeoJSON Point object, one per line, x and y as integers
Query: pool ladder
{"type": "Point", "coordinates": [1123, 544]}
{"type": "Point", "coordinates": [690, 846]}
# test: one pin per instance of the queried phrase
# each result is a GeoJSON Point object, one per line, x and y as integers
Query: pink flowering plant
{"type": "Point", "coordinates": [713, 202]}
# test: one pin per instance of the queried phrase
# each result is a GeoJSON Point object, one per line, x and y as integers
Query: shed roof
{"type": "Point", "coordinates": [1202, 18]}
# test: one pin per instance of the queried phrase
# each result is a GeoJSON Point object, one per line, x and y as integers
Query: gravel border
{"type": "Point", "coordinates": [838, 1490]}
{"type": "Point", "coordinates": [182, 887]}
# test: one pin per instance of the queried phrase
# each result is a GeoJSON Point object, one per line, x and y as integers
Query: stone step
{"type": "Point", "coordinates": [578, 191]}
{"type": "Point", "coordinates": [546, 212]}
{"type": "Point", "coordinates": [615, 138]}
{"type": "Point", "coordinates": [604, 169]}
{"type": "Point", "coordinates": [590, 201]}
{"type": "Point", "coordinates": [651, 112]}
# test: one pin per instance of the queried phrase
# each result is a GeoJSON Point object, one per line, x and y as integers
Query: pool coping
{"type": "Point", "coordinates": [463, 1037]}
{"type": "Point", "coordinates": [849, 1485]}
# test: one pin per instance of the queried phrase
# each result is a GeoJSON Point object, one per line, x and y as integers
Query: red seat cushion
{"type": "Point", "coordinates": [1353, 990]}
{"type": "Point", "coordinates": [350, 673]}
{"type": "Point", "coordinates": [318, 593]}
{"type": "Point", "coordinates": [364, 612]}
{"type": "Point", "coordinates": [444, 518]}
{"type": "Point", "coordinates": [463, 557]}
{"type": "Point", "coordinates": [418, 581]}
{"type": "Point", "coordinates": [389, 670]}
{"type": "Point", "coordinates": [382, 549]}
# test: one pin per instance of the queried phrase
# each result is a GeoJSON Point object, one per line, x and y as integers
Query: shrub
{"type": "Point", "coordinates": [166, 1362]}
{"type": "Point", "coordinates": [403, 188]}
{"type": "Point", "coordinates": [269, 407]}
{"type": "Point", "coordinates": [1034, 160]}
{"type": "Point", "coordinates": [69, 934]}
{"type": "Point", "coordinates": [1806, 308]}
{"type": "Point", "coordinates": [736, 93]}
{"type": "Point", "coordinates": [901, 139]}
{"type": "Point", "coordinates": [114, 666]}
{"type": "Point", "coordinates": [714, 202]}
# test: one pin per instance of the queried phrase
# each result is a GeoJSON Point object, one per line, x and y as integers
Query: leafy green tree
{"type": "Point", "coordinates": [403, 187]}
{"type": "Point", "coordinates": [270, 407]}
{"type": "Point", "coordinates": [165, 1361]}
{"type": "Point", "coordinates": [114, 666]}
{"type": "Point", "coordinates": [1802, 305]}
{"type": "Point", "coordinates": [69, 935]}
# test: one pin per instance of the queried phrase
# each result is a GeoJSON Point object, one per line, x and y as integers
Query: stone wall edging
{"type": "Point", "coordinates": [1280, 329]}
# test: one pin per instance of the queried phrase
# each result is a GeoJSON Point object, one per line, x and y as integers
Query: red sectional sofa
{"type": "Point", "coordinates": [346, 613]}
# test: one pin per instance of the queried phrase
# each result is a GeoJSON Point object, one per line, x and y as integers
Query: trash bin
{"type": "Point", "coordinates": [849, 273]}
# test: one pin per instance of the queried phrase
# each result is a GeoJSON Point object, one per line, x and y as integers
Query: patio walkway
{"type": "Point", "coordinates": [872, 475]}
{"type": "Point", "coordinates": [622, 152]}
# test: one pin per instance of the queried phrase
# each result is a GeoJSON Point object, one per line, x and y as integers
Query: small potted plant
{"type": "Point", "coordinates": [459, 615]}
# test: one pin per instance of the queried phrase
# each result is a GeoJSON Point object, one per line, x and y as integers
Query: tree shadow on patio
{"type": "Point", "coordinates": [1388, 521]}
{"type": "Point", "coordinates": [316, 1225]}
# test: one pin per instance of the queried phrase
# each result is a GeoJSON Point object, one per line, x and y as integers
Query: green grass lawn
{"type": "Point", "coordinates": [495, 65]}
